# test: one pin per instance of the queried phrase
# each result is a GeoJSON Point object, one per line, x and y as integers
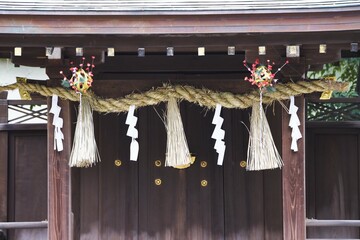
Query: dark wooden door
{"type": "Point", "coordinates": [27, 182]}
{"type": "Point", "coordinates": [332, 179]}
{"type": "Point", "coordinates": [127, 201]}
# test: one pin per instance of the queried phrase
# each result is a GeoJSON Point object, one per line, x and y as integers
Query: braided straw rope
{"type": "Point", "coordinates": [203, 97]}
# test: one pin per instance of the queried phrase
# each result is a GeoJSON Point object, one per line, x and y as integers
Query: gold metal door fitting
{"type": "Point", "coordinates": [203, 164]}
{"type": "Point", "coordinates": [242, 164]}
{"type": "Point", "coordinates": [204, 183]}
{"type": "Point", "coordinates": [117, 162]}
{"type": "Point", "coordinates": [157, 181]}
{"type": "Point", "coordinates": [158, 163]}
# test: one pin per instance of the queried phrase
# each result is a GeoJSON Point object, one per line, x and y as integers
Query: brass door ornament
{"type": "Point", "coordinates": [203, 164]}
{"type": "Point", "coordinates": [204, 183]}
{"type": "Point", "coordinates": [157, 181]}
{"type": "Point", "coordinates": [242, 164]}
{"type": "Point", "coordinates": [158, 163]}
{"type": "Point", "coordinates": [117, 162]}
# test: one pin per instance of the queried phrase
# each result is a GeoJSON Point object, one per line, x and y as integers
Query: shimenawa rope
{"type": "Point", "coordinates": [203, 97]}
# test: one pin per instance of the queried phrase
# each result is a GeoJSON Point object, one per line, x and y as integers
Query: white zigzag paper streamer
{"type": "Point", "coordinates": [294, 123]}
{"type": "Point", "coordinates": [219, 135]}
{"type": "Point", "coordinates": [58, 123]}
{"type": "Point", "coordinates": [132, 132]}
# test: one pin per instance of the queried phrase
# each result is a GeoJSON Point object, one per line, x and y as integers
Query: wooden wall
{"type": "Point", "coordinates": [332, 179]}
{"type": "Point", "coordinates": [27, 182]}
{"type": "Point", "coordinates": [125, 203]}
{"type": "Point", "coordinates": [23, 175]}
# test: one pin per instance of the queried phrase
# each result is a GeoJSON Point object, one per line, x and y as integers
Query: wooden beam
{"type": "Point", "coordinates": [293, 179]}
{"type": "Point", "coordinates": [3, 160]}
{"type": "Point", "coordinates": [59, 188]}
{"type": "Point", "coordinates": [21, 127]}
{"type": "Point", "coordinates": [179, 24]}
{"type": "Point", "coordinates": [332, 223]}
{"type": "Point", "coordinates": [180, 42]}
{"type": "Point", "coordinates": [23, 225]}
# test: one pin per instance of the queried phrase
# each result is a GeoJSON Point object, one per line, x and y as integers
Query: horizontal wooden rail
{"type": "Point", "coordinates": [332, 239]}
{"type": "Point", "coordinates": [23, 126]}
{"type": "Point", "coordinates": [332, 223]}
{"type": "Point", "coordinates": [12, 225]}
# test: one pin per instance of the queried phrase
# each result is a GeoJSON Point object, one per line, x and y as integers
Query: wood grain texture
{"type": "Point", "coordinates": [334, 180]}
{"type": "Point", "coordinates": [293, 179]}
{"type": "Point", "coordinates": [273, 181]}
{"type": "Point", "coordinates": [244, 199]}
{"type": "Point", "coordinates": [125, 203]}
{"type": "Point", "coordinates": [179, 24]}
{"type": "Point", "coordinates": [3, 160]}
{"type": "Point", "coordinates": [27, 177]}
{"type": "Point", "coordinates": [59, 190]}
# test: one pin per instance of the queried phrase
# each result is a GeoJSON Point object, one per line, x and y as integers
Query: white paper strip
{"type": "Point", "coordinates": [219, 135]}
{"type": "Point", "coordinates": [8, 72]}
{"type": "Point", "coordinates": [58, 123]}
{"type": "Point", "coordinates": [294, 123]}
{"type": "Point", "coordinates": [132, 132]}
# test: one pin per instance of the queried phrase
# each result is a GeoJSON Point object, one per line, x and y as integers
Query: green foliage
{"type": "Point", "coordinates": [346, 71]}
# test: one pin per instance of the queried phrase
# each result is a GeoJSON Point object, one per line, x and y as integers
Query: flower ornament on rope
{"type": "Point", "coordinates": [81, 79]}
{"type": "Point", "coordinates": [84, 152]}
{"type": "Point", "coordinates": [262, 153]}
{"type": "Point", "coordinates": [261, 75]}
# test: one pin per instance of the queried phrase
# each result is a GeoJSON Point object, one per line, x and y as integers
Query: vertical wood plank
{"type": "Point", "coordinates": [119, 213]}
{"type": "Point", "coordinates": [272, 181]}
{"type": "Point", "coordinates": [89, 197]}
{"type": "Point", "coordinates": [293, 180]}
{"type": "Point", "coordinates": [204, 205]}
{"type": "Point", "coordinates": [59, 189]}
{"type": "Point", "coordinates": [27, 174]}
{"type": "Point", "coordinates": [336, 189]}
{"type": "Point", "coordinates": [243, 190]}
{"type": "Point", "coordinates": [3, 159]}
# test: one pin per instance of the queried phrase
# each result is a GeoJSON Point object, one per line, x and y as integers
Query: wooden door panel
{"type": "Point", "coordinates": [333, 180]}
{"type": "Point", "coordinates": [125, 202]}
{"type": "Point", "coordinates": [28, 182]}
{"type": "Point", "coordinates": [253, 207]}
{"type": "Point", "coordinates": [110, 193]}
{"type": "Point", "coordinates": [204, 204]}
{"type": "Point", "coordinates": [180, 208]}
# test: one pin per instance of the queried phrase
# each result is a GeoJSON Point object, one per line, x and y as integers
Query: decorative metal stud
{"type": "Point", "coordinates": [204, 183]}
{"type": "Point", "coordinates": [322, 48]}
{"type": "Point", "coordinates": [354, 47]}
{"type": "Point", "coordinates": [17, 51]}
{"type": "Point", "coordinates": [79, 51]}
{"type": "Point", "coordinates": [111, 52]}
{"type": "Point", "coordinates": [158, 163]}
{"type": "Point", "coordinates": [262, 50]}
{"type": "Point", "coordinates": [157, 182]}
{"type": "Point", "coordinates": [170, 51]}
{"type": "Point", "coordinates": [242, 164]}
{"type": "Point", "coordinates": [231, 50]}
{"type": "Point", "coordinates": [293, 51]}
{"type": "Point", "coordinates": [117, 162]}
{"type": "Point", "coordinates": [203, 164]}
{"type": "Point", "coordinates": [141, 52]}
{"type": "Point", "coordinates": [201, 51]}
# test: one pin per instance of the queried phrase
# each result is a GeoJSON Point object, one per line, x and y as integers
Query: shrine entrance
{"type": "Point", "coordinates": [120, 199]}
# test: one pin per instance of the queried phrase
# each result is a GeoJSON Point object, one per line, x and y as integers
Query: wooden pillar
{"type": "Point", "coordinates": [59, 190]}
{"type": "Point", "coordinates": [3, 159]}
{"type": "Point", "coordinates": [293, 179]}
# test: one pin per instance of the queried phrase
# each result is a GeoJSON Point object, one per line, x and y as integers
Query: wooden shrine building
{"type": "Point", "coordinates": [141, 45]}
